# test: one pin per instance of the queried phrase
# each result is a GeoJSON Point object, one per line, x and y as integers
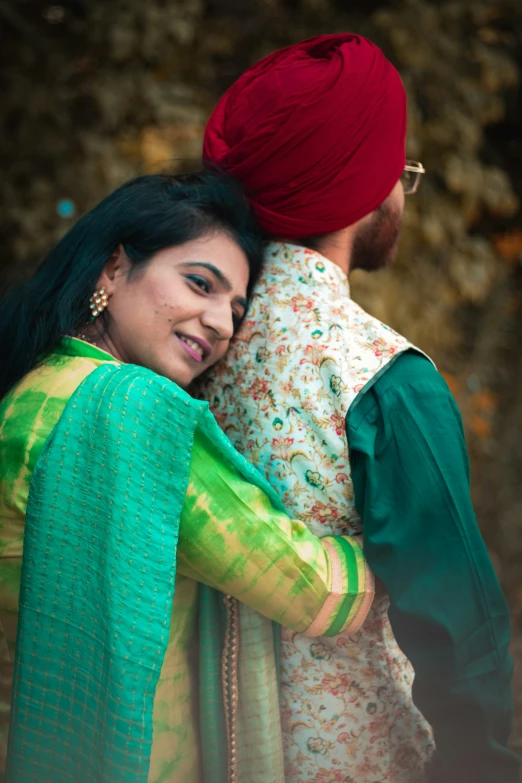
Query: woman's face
{"type": "Point", "coordinates": [177, 314]}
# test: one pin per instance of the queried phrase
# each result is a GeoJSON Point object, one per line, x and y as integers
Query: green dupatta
{"type": "Point", "coordinates": [97, 588]}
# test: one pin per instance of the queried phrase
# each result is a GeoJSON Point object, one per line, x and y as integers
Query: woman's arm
{"type": "Point", "coordinates": [233, 539]}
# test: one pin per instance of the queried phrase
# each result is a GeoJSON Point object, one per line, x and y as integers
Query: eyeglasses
{"type": "Point", "coordinates": [411, 176]}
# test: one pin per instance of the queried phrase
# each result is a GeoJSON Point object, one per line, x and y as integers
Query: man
{"type": "Point", "coordinates": [356, 429]}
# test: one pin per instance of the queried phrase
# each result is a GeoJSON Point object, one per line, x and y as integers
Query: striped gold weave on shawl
{"type": "Point", "coordinates": [98, 579]}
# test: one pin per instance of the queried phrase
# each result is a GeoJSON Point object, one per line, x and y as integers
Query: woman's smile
{"type": "Point", "coordinates": [197, 348]}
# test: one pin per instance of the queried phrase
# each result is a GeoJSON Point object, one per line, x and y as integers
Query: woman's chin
{"type": "Point", "coordinates": [185, 376]}
{"type": "Point", "coordinates": [180, 375]}
{"type": "Point", "coordinates": [181, 379]}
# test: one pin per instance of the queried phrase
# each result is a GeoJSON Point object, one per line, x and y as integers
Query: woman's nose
{"type": "Point", "coordinates": [220, 320]}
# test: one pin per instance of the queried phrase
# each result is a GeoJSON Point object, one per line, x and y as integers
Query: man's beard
{"type": "Point", "coordinates": [375, 244]}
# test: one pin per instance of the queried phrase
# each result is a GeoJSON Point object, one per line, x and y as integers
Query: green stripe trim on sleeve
{"type": "Point", "coordinates": [355, 585]}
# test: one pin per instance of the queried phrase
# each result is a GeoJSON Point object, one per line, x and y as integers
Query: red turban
{"type": "Point", "coordinates": [315, 133]}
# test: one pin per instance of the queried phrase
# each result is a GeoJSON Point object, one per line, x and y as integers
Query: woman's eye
{"type": "Point", "coordinates": [201, 282]}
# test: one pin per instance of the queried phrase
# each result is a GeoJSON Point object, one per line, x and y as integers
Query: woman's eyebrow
{"type": "Point", "coordinates": [218, 274]}
{"type": "Point", "coordinates": [225, 282]}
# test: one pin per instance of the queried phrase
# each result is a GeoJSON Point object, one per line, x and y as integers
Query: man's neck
{"type": "Point", "coordinates": [336, 247]}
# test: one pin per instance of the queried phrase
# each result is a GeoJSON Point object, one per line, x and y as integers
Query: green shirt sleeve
{"type": "Point", "coordinates": [233, 539]}
{"type": "Point", "coordinates": [411, 482]}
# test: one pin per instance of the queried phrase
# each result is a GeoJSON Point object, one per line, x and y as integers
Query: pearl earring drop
{"type": "Point", "coordinates": [98, 302]}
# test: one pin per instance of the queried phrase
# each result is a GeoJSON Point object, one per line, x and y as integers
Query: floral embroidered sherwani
{"type": "Point", "coordinates": [306, 358]}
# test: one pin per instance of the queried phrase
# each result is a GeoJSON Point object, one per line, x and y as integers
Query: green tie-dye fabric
{"type": "Point", "coordinates": [27, 416]}
{"type": "Point", "coordinates": [113, 481]}
{"type": "Point", "coordinates": [98, 580]}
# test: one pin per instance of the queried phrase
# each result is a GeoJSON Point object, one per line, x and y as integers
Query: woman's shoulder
{"type": "Point", "coordinates": [54, 378]}
{"type": "Point", "coordinates": [28, 415]}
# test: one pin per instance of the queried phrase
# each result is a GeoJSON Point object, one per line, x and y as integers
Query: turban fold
{"type": "Point", "coordinates": [314, 132]}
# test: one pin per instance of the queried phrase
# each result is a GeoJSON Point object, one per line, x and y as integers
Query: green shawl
{"type": "Point", "coordinates": [98, 577]}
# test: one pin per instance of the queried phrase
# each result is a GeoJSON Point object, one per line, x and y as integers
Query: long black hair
{"type": "Point", "coordinates": [145, 215]}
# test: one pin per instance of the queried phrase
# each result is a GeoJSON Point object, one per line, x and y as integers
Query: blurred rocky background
{"type": "Point", "coordinates": [96, 92]}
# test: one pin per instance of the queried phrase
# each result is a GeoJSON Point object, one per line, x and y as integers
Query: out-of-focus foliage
{"type": "Point", "coordinates": [96, 92]}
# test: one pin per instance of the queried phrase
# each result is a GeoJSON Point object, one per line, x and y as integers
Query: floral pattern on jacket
{"type": "Point", "coordinates": [282, 393]}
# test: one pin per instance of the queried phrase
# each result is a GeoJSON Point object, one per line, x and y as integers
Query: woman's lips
{"type": "Point", "coordinates": [190, 350]}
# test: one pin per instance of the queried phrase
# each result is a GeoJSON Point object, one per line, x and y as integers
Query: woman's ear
{"type": "Point", "coordinates": [115, 270]}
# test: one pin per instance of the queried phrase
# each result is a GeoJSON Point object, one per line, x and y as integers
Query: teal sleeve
{"type": "Point", "coordinates": [411, 482]}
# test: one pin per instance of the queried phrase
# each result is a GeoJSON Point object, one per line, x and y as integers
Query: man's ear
{"type": "Point", "coordinates": [116, 267]}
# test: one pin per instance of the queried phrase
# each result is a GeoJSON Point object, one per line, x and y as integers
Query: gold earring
{"type": "Point", "coordinates": [98, 302]}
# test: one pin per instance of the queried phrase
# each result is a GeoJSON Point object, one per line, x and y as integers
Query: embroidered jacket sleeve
{"type": "Point", "coordinates": [411, 482]}
{"type": "Point", "coordinates": [233, 539]}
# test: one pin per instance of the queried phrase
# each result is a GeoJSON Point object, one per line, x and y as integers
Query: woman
{"type": "Point", "coordinates": [126, 495]}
